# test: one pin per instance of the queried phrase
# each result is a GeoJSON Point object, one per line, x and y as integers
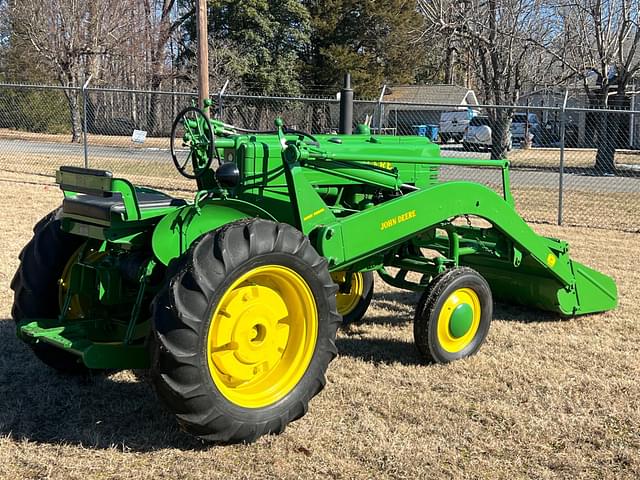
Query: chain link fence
{"type": "Point", "coordinates": [570, 165]}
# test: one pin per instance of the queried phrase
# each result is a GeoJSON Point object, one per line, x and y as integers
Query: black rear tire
{"type": "Point", "coordinates": [183, 322]}
{"type": "Point", "coordinates": [433, 329]}
{"type": "Point", "coordinates": [35, 285]}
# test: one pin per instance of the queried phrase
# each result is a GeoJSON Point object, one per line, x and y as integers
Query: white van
{"type": "Point", "coordinates": [453, 124]}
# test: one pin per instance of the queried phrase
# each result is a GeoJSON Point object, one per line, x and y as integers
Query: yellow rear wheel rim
{"type": "Point", "coordinates": [459, 320]}
{"type": "Point", "coordinates": [347, 302]}
{"type": "Point", "coordinates": [262, 336]}
{"type": "Point", "coordinates": [76, 309]}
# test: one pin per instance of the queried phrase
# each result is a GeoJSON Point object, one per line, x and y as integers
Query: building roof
{"type": "Point", "coordinates": [431, 94]}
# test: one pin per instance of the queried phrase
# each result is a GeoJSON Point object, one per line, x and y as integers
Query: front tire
{"type": "Point", "coordinates": [453, 316]}
{"type": "Point", "coordinates": [244, 331]}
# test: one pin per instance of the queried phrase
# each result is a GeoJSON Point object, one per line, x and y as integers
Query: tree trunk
{"type": "Point", "coordinates": [258, 116]}
{"type": "Point", "coordinates": [76, 117]}
{"type": "Point", "coordinates": [92, 114]}
{"type": "Point", "coordinates": [605, 158]}
{"type": "Point", "coordinates": [152, 118]}
{"type": "Point", "coordinates": [153, 126]}
{"type": "Point", "coordinates": [449, 65]}
{"type": "Point", "coordinates": [500, 138]}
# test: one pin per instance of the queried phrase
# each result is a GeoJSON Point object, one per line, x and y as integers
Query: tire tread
{"type": "Point", "coordinates": [182, 305]}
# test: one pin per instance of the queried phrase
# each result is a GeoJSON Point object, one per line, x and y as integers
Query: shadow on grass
{"type": "Point", "coordinates": [400, 296]}
{"type": "Point", "coordinates": [397, 308]}
{"type": "Point", "coordinates": [386, 351]}
{"type": "Point", "coordinates": [518, 313]}
{"type": "Point", "coordinates": [38, 404]}
{"type": "Point", "coordinates": [381, 351]}
{"type": "Point", "coordinates": [120, 411]}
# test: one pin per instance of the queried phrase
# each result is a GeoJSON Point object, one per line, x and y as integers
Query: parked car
{"type": "Point", "coordinates": [518, 126]}
{"type": "Point", "coordinates": [453, 124]}
{"type": "Point", "coordinates": [477, 135]}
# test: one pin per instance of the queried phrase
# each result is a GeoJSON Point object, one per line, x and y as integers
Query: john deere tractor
{"type": "Point", "coordinates": [233, 299]}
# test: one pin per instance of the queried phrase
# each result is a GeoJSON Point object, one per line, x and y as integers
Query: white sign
{"type": "Point", "coordinates": [139, 136]}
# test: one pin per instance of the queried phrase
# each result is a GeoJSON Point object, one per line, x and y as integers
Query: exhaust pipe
{"type": "Point", "coordinates": [346, 107]}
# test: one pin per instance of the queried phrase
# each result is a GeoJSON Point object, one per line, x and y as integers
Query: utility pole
{"type": "Point", "coordinates": [203, 56]}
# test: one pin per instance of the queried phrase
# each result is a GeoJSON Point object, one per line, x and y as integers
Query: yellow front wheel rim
{"type": "Point", "coordinates": [347, 302]}
{"type": "Point", "coordinates": [262, 336]}
{"type": "Point", "coordinates": [459, 320]}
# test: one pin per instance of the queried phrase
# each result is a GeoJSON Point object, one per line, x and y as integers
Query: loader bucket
{"type": "Point", "coordinates": [533, 285]}
{"type": "Point", "coordinates": [596, 292]}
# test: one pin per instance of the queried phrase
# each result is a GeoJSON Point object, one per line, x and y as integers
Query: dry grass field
{"type": "Point", "coordinates": [545, 397]}
{"type": "Point", "coordinates": [532, 157]}
{"type": "Point", "coordinates": [573, 157]}
{"type": "Point", "coordinates": [105, 140]}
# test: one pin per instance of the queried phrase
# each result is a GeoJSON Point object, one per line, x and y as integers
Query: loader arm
{"type": "Point", "coordinates": [542, 274]}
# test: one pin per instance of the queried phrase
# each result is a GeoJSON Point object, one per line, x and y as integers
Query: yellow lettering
{"type": "Point", "coordinates": [385, 165]}
{"type": "Point", "coordinates": [388, 224]}
{"type": "Point", "coordinates": [314, 214]}
{"type": "Point", "coordinates": [403, 217]}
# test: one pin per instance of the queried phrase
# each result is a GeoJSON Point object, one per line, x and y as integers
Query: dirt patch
{"type": "Point", "coordinates": [545, 397]}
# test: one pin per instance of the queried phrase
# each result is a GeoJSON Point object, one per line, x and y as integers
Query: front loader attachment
{"type": "Point", "coordinates": [532, 284]}
{"type": "Point", "coordinates": [520, 266]}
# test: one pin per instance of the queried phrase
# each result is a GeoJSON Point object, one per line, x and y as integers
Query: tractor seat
{"type": "Point", "coordinates": [101, 208]}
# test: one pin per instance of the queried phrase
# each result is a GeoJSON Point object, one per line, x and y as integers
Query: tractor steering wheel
{"type": "Point", "coordinates": [194, 150]}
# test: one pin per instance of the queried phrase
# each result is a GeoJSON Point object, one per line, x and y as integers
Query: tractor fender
{"type": "Point", "coordinates": [175, 233]}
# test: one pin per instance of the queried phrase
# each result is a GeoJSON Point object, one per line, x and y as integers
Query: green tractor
{"type": "Point", "coordinates": [233, 299]}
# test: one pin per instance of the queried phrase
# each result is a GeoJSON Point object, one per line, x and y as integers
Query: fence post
{"type": "Point", "coordinates": [632, 126]}
{"type": "Point", "coordinates": [381, 109]}
{"type": "Point", "coordinates": [84, 114]}
{"type": "Point", "coordinates": [220, 96]}
{"type": "Point", "coordinates": [563, 121]}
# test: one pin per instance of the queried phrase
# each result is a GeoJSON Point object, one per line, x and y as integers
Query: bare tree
{"type": "Point", "coordinates": [163, 20]}
{"type": "Point", "coordinates": [493, 33]}
{"type": "Point", "coordinates": [72, 37]}
{"type": "Point", "coordinates": [4, 33]}
{"type": "Point", "coordinates": [598, 39]}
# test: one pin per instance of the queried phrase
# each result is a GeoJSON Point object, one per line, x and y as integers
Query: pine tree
{"type": "Point", "coordinates": [268, 36]}
{"type": "Point", "coordinates": [376, 41]}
